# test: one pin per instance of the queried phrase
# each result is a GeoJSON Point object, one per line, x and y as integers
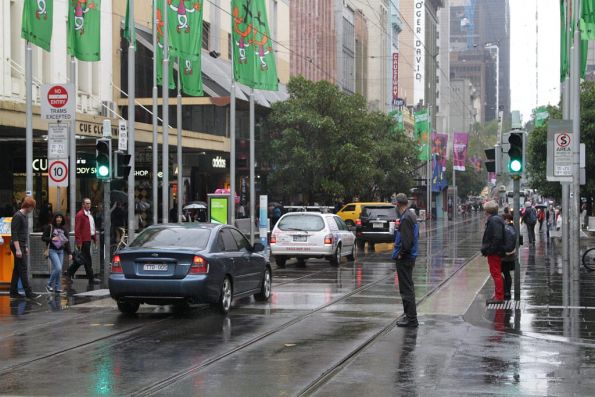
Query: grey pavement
{"type": "Point", "coordinates": [326, 331]}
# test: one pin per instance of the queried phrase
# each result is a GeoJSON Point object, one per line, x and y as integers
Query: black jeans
{"type": "Point", "coordinates": [20, 271]}
{"type": "Point", "coordinates": [531, 232]}
{"type": "Point", "coordinates": [507, 267]}
{"type": "Point", "coordinates": [86, 251]}
{"type": "Point", "coordinates": [406, 288]}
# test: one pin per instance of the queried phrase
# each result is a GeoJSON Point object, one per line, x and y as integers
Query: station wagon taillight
{"type": "Point", "coordinates": [273, 239]}
{"type": "Point", "coordinates": [199, 265]}
{"type": "Point", "coordinates": [358, 222]}
{"type": "Point", "coordinates": [328, 239]}
{"type": "Point", "coordinates": [117, 265]}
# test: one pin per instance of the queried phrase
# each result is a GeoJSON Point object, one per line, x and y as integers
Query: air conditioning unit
{"type": "Point", "coordinates": [107, 109]}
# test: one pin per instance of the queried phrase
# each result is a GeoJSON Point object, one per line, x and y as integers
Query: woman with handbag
{"type": "Point", "coordinates": [56, 237]}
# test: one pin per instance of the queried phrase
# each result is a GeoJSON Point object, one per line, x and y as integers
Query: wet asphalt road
{"type": "Point", "coordinates": [326, 331]}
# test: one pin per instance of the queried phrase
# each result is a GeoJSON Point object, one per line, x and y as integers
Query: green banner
{"type": "Point", "coordinates": [158, 15]}
{"type": "Point", "coordinates": [37, 22]}
{"type": "Point", "coordinates": [84, 29]}
{"type": "Point", "coordinates": [218, 209]}
{"type": "Point", "coordinates": [540, 114]}
{"type": "Point", "coordinates": [422, 133]}
{"type": "Point", "coordinates": [254, 60]}
{"type": "Point", "coordinates": [185, 21]}
{"type": "Point", "coordinates": [397, 117]}
{"type": "Point", "coordinates": [127, 31]}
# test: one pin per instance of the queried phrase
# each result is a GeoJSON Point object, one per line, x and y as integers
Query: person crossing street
{"type": "Point", "coordinates": [84, 234]}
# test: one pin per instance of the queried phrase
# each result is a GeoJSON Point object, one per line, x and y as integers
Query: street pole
{"type": "Point", "coordinates": [252, 176]}
{"type": "Point", "coordinates": [575, 193]}
{"type": "Point", "coordinates": [516, 219]}
{"type": "Point", "coordinates": [131, 118]}
{"type": "Point", "coordinates": [429, 172]}
{"type": "Point", "coordinates": [165, 91]}
{"type": "Point", "coordinates": [232, 139]}
{"type": "Point", "coordinates": [155, 159]}
{"type": "Point", "coordinates": [29, 136]}
{"type": "Point", "coordinates": [179, 148]}
{"type": "Point", "coordinates": [72, 150]}
{"type": "Point", "coordinates": [107, 222]}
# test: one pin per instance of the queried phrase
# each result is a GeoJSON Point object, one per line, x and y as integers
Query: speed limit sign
{"type": "Point", "coordinates": [58, 173]}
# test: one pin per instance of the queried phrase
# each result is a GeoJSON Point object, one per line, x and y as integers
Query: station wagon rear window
{"type": "Point", "coordinates": [308, 223]}
{"type": "Point", "coordinates": [175, 237]}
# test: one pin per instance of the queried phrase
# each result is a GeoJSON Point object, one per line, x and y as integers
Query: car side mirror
{"type": "Point", "coordinates": [258, 247]}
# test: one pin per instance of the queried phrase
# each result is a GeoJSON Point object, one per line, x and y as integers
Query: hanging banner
{"type": "Point", "coordinates": [422, 133]}
{"type": "Point", "coordinates": [439, 182]}
{"type": "Point", "coordinates": [459, 149]}
{"type": "Point", "coordinates": [439, 143]}
{"type": "Point", "coordinates": [395, 77]}
{"type": "Point", "coordinates": [419, 48]}
{"type": "Point", "coordinates": [397, 116]}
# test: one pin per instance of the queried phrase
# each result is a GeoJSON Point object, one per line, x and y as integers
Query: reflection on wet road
{"type": "Point", "coordinates": [326, 330]}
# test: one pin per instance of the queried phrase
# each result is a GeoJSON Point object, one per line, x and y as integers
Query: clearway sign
{"type": "Point", "coordinates": [58, 102]}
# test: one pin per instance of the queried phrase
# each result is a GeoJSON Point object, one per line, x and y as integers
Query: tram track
{"type": "Point", "coordinates": [327, 374]}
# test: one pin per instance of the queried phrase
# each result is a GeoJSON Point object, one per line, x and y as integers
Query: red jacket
{"type": "Point", "coordinates": [82, 228]}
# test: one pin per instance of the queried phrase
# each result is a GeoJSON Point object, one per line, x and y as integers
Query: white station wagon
{"type": "Point", "coordinates": [304, 235]}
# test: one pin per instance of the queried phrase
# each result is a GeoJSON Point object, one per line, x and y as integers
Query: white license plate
{"type": "Point", "coordinates": [378, 225]}
{"type": "Point", "coordinates": [155, 268]}
{"type": "Point", "coordinates": [300, 239]}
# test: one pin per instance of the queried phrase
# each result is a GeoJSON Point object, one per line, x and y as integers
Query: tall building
{"type": "Point", "coordinates": [344, 42]}
{"type": "Point", "coordinates": [480, 52]}
{"type": "Point", "coordinates": [419, 51]}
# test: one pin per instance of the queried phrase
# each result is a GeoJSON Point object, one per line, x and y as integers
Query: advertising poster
{"type": "Point", "coordinates": [219, 209]}
{"type": "Point", "coordinates": [439, 143]}
{"type": "Point", "coordinates": [459, 149]}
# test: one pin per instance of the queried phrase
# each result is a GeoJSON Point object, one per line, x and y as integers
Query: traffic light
{"type": "Point", "coordinates": [122, 165]}
{"type": "Point", "coordinates": [103, 166]}
{"type": "Point", "coordinates": [493, 157]}
{"type": "Point", "coordinates": [515, 153]}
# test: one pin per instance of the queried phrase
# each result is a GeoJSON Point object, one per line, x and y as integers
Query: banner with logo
{"type": "Point", "coordinates": [84, 30]}
{"type": "Point", "coordinates": [439, 182]}
{"type": "Point", "coordinates": [439, 143]}
{"type": "Point", "coordinates": [422, 133]}
{"type": "Point", "coordinates": [459, 148]}
{"type": "Point", "coordinates": [37, 22]}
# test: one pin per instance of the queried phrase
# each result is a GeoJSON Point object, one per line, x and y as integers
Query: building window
{"type": "Point", "coordinates": [206, 29]}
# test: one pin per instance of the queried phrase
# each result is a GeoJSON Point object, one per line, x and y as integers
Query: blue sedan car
{"type": "Point", "coordinates": [189, 263]}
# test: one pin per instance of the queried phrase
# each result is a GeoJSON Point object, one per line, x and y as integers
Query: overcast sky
{"type": "Point", "coordinates": [523, 74]}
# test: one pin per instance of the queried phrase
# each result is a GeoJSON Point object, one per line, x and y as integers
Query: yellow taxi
{"type": "Point", "coordinates": [351, 212]}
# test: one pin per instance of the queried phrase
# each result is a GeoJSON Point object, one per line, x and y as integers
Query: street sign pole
{"type": "Point", "coordinates": [516, 214]}
{"type": "Point", "coordinates": [107, 222]}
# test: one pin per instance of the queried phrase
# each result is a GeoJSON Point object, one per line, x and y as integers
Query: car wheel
{"type": "Point", "coordinates": [265, 289]}
{"type": "Point", "coordinates": [128, 307]}
{"type": "Point", "coordinates": [361, 244]}
{"type": "Point", "coordinates": [336, 259]}
{"type": "Point", "coordinates": [280, 261]}
{"type": "Point", "coordinates": [351, 256]}
{"type": "Point", "coordinates": [225, 296]}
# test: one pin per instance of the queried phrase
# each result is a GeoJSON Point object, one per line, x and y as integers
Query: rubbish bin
{"type": "Point", "coordinates": [6, 261]}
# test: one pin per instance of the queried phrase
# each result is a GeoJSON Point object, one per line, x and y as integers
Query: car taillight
{"type": "Point", "coordinates": [117, 265]}
{"type": "Point", "coordinates": [199, 265]}
{"type": "Point", "coordinates": [273, 239]}
{"type": "Point", "coordinates": [358, 222]}
{"type": "Point", "coordinates": [328, 239]}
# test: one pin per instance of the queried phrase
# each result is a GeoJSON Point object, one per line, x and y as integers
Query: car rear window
{"type": "Point", "coordinates": [308, 223]}
{"type": "Point", "coordinates": [175, 237]}
{"type": "Point", "coordinates": [381, 212]}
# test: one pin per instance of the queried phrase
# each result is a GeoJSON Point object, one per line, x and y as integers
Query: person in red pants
{"type": "Point", "coordinates": [492, 247]}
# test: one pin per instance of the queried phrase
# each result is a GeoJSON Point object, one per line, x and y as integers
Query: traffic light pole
{"type": "Point", "coordinates": [516, 179]}
{"type": "Point", "coordinates": [107, 227]}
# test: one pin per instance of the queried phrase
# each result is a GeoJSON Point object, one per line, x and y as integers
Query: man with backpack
{"type": "Point", "coordinates": [530, 219]}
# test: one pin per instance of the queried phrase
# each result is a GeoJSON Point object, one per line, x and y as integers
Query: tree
{"type": "Point", "coordinates": [325, 145]}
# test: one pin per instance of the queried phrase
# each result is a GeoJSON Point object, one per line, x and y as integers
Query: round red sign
{"type": "Point", "coordinates": [57, 96]}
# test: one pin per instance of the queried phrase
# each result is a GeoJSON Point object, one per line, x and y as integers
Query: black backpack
{"type": "Point", "coordinates": [510, 237]}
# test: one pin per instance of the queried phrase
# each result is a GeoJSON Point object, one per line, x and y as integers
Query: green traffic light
{"type": "Point", "coordinates": [515, 166]}
{"type": "Point", "coordinates": [103, 171]}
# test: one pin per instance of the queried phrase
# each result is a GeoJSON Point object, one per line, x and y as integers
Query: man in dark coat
{"type": "Point", "coordinates": [404, 254]}
{"type": "Point", "coordinates": [492, 247]}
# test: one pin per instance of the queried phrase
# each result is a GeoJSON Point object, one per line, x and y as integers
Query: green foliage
{"type": "Point", "coordinates": [469, 182]}
{"type": "Point", "coordinates": [537, 147]}
{"type": "Point", "coordinates": [325, 144]}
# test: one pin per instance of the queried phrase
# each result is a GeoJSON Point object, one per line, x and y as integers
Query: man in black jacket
{"type": "Point", "coordinates": [492, 247]}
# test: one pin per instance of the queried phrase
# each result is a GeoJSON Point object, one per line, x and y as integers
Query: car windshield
{"type": "Point", "coordinates": [384, 212]}
{"type": "Point", "coordinates": [308, 223]}
{"type": "Point", "coordinates": [173, 237]}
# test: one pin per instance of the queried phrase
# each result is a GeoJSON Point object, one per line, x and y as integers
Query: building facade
{"type": "Point", "coordinates": [101, 93]}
